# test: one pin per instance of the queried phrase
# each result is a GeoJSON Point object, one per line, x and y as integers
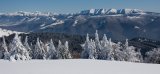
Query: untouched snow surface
{"type": "Point", "coordinates": [80, 66]}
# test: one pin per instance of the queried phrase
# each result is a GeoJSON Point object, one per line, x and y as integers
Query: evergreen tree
{"type": "Point", "coordinates": [60, 50]}
{"type": "Point", "coordinates": [66, 51]}
{"type": "Point", "coordinates": [38, 52]}
{"type": "Point", "coordinates": [89, 47]}
{"type": "Point", "coordinates": [26, 45]}
{"type": "Point", "coordinates": [97, 42]}
{"type": "Point", "coordinates": [17, 50]}
{"type": "Point", "coordinates": [107, 49]}
{"type": "Point", "coordinates": [126, 44]}
{"type": "Point", "coordinates": [4, 51]}
{"type": "Point", "coordinates": [130, 53]}
{"type": "Point", "coordinates": [153, 56]}
{"type": "Point", "coordinates": [51, 51]}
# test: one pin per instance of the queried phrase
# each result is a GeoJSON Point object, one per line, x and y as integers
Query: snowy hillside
{"type": "Point", "coordinates": [4, 32]}
{"type": "Point", "coordinates": [76, 67]}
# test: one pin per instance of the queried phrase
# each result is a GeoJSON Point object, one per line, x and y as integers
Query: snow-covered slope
{"type": "Point", "coordinates": [76, 67]}
{"type": "Point", "coordinates": [4, 32]}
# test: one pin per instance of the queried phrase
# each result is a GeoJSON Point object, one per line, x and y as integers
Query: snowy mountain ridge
{"type": "Point", "coordinates": [112, 11]}
{"type": "Point", "coordinates": [83, 12]}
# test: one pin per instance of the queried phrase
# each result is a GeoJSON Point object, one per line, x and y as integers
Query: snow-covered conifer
{"type": "Point", "coordinates": [63, 50]}
{"type": "Point", "coordinates": [104, 41]}
{"type": "Point", "coordinates": [60, 50]}
{"type": "Point", "coordinates": [89, 47]}
{"type": "Point", "coordinates": [130, 53]}
{"type": "Point", "coordinates": [126, 43]}
{"type": "Point", "coordinates": [17, 50]}
{"type": "Point", "coordinates": [51, 51]}
{"type": "Point", "coordinates": [97, 42]}
{"type": "Point", "coordinates": [153, 56]}
{"type": "Point", "coordinates": [26, 45]}
{"type": "Point", "coordinates": [66, 51]}
{"type": "Point", "coordinates": [38, 52]}
{"type": "Point", "coordinates": [4, 50]}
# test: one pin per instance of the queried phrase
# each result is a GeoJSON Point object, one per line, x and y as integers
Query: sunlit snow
{"type": "Point", "coordinates": [4, 32]}
{"type": "Point", "coordinates": [80, 66]}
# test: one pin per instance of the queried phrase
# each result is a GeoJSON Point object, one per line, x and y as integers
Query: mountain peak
{"type": "Point", "coordinates": [110, 11]}
{"type": "Point", "coordinates": [129, 11]}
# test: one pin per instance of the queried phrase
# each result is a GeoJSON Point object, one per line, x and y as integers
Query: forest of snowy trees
{"type": "Point", "coordinates": [23, 51]}
{"type": "Point", "coordinates": [107, 50]}
{"type": "Point", "coordinates": [92, 48]}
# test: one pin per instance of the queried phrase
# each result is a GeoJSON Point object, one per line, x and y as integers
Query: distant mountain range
{"type": "Point", "coordinates": [118, 24]}
{"type": "Point", "coordinates": [111, 11]}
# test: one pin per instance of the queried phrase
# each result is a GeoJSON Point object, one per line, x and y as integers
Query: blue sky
{"type": "Point", "coordinates": [71, 6]}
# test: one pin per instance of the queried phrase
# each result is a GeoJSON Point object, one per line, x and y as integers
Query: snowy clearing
{"type": "Point", "coordinates": [5, 32]}
{"type": "Point", "coordinates": [53, 24]}
{"type": "Point", "coordinates": [77, 66]}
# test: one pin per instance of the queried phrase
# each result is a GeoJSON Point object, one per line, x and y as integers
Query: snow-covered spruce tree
{"type": "Point", "coordinates": [60, 50]}
{"type": "Point", "coordinates": [93, 52]}
{"type": "Point", "coordinates": [98, 46]}
{"type": "Point", "coordinates": [107, 52]}
{"type": "Point", "coordinates": [67, 53]}
{"type": "Point", "coordinates": [104, 44]}
{"type": "Point", "coordinates": [38, 51]}
{"type": "Point", "coordinates": [43, 48]}
{"type": "Point", "coordinates": [26, 45]}
{"type": "Point", "coordinates": [89, 47]}
{"type": "Point", "coordinates": [17, 50]}
{"type": "Point", "coordinates": [153, 56]}
{"type": "Point", "coordinates": [4, 54]}
{"type": "Point", "coordinates": [63, 51]}
{"type": "Point", "coordinates": [118, 53]}
{"type": "Point", "coordinates": [85, 46]}
{"type": "Point", "coordinates": [51, 51]}
{"type": "Point", "coordinates": [110, 50]}
{"type": "Point", "coordinates": [130, 54]}
{"type": "Point", "coordinates": [97, 42]}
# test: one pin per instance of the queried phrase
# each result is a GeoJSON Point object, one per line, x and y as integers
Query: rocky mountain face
{"type": "Point", "coordinates": [118, 24]}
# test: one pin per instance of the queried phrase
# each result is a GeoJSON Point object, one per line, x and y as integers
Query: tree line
{"type": "Point", "coordinates": [26, 47]}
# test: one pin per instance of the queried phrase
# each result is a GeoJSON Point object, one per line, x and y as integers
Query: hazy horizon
{"type": "Point", "coordinates": [73, 6]}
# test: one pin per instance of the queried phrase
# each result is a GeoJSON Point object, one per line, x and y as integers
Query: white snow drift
{"type": "Point", "coordinates": [80, 66]}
